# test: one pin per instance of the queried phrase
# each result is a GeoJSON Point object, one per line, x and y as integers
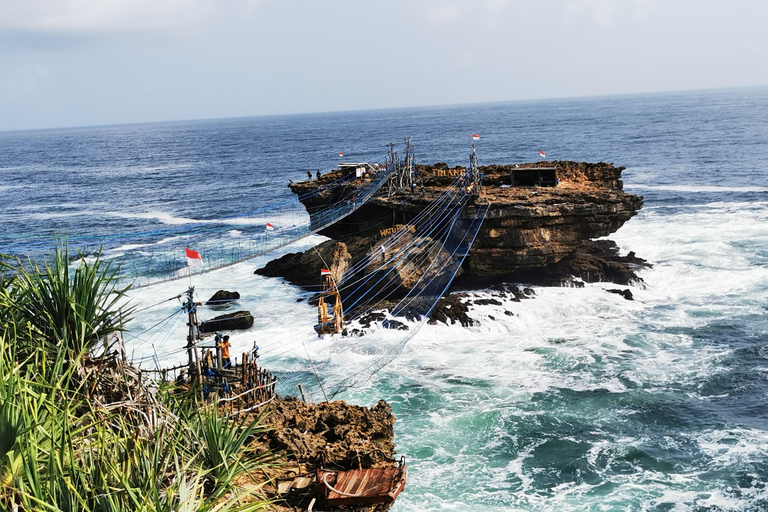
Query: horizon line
{"type": "Point", "coordinates": [382, 109]}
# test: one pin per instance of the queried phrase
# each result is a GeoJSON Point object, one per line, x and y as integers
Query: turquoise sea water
{"type": "Point", "coordinates": [581, 400]}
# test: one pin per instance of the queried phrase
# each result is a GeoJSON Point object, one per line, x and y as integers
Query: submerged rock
{"type": "Point", "coordinates": [451, 309]}
{"type": "Point", "coordinates": [394, 324]}
{"type": "Point", "coordinates": [485, 302]}
{"type": "Point", "coordinates": [627, 293]}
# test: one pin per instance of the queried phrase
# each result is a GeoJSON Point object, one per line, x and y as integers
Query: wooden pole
{"type": "Point", "coordinates": [191, 325]}
{"type": "Point", "coordinates": [121, 342]}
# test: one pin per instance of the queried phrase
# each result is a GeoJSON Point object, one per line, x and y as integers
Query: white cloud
{"type": "Point", "coordinates": [606, 13]}
{"type": "Point", "coordinates": [79, 17]}
{"type": "Point", "coordinates": [644, 6]}
{"type": "Point", "coordinates": [28, 78]}
{"type": "Point", "coordinates": [599, 12]}
{"type": "Point", "coordinates": [443, 13]}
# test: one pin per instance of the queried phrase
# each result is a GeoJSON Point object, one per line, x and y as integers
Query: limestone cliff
{"type": "Point", "coordinates": [527, 228]}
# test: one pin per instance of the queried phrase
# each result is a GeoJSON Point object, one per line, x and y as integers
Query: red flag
{"type": "Point", "coordinates": [193, 258]}
{"type": "Point", "coordinates": [270, 227]}
{"type": "Point", "coordinates": [325, 272]}
{"type": "Point", "coordinates": [341, 153]}
{"type": "Point", "coordinates": [475, 136]}
{"type": "Point", "coordinates": [542, 154]}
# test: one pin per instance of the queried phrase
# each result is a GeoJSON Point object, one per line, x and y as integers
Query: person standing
{"type": "Point", "coordinates": [309, 175]}
{"type": "Point", "coordinates": [224, 346]}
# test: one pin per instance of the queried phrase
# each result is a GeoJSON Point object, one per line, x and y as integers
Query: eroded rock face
{"type": "Point", "coordinates": [303, 268]}
{"type": "Point", "coordinates": [530, 228]}
{"type": "Point", "coordinates": [332, 434]}
{"type": "Point", "coordinates": [452, 309]}
{"type": "Point", "coordinates": [305, 437]}
{"type": "Point", "coordinates": [592, 261]}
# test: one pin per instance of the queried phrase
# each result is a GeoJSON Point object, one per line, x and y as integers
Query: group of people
{"type": "Point", "coordinates": [309, 175]}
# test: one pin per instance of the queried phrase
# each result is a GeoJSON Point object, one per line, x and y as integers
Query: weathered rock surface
{"type": "Point", "coordinates": [592, 261]}
{"type": "Point", "coordinates": [330, 435]}
{"type": "Point", "coordinates": [228, 322]}
{"type": "Point", "coordinates": [303, 268]}
{"type": "Point", "coordinates": [335, 434]}
{"type": "Point", "coordinates": [222, 297]}
{"type": "Point", "coordinates": [451, 309]}
{"type": "Point", "coordinates": [457, 307]}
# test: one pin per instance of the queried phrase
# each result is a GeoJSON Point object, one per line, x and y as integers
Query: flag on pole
{"type": "Point", "coordinates": [270, 227]}
{"type": "Point", "coordinates": [542, 154]}
{"type": "Point", "coordinates": [193, 258]}
{"type": "Point", "coordinates": [325, 272]}
{"type": "Point", "coordinates": [475, 136]}
{"type": "Point", "coordinates": [341, 153]}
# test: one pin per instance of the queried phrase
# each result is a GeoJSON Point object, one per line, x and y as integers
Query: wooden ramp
{"type": "Point", "coordinates": [361, 486]}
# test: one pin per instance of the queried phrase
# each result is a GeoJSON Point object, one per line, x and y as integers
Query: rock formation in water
{"type": "Point", "coordinates": [228, 322]}
{"type": "Point", "coordinates": [222, 297]}
{"type": "Point", "coordinates": [535, 234]}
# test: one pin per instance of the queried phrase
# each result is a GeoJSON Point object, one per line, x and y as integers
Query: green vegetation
{"type": "Point", "coordinates": [79, 431]}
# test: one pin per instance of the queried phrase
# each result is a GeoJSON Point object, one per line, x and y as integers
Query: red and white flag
{"type": "Point", "coordinates": [475, 136]}
{"type": "Point", "coordinates": [325, 272]}
{"type": "Point", "coordinates": [270, 227]}
{"type": "Point", "coordinates": [542, 154]}
{"type": "Point", "coordinates": [341, 153]}
{"type": "Point", "coordinates": [193, 258]}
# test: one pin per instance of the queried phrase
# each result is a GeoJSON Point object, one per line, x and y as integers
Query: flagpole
{"type": "Point", "coordinates": [189, 267]}
{"type": "Point", "coordinates": [193, 259]}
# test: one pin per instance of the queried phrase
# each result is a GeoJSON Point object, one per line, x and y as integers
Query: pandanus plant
{"type": "Point", "coordinates": [66, 304]}
{"type": "Point", "coordinates": [59, 450]}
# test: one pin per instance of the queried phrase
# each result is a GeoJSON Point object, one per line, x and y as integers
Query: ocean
{"type": "Point", "coordinates": [579, 401]}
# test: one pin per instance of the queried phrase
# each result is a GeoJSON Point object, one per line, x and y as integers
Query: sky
{"type": "Point", "coordinates": [93, 62]}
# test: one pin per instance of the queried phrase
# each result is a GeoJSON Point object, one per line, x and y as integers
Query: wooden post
{"type": "Point", "coordinates": [192, 334]}
{"type": "Point", "coordinates": [303, 393]}
{"type": "Point", "coordinates": [199, 370]}
{"type": "Point", "coordinates": [121, 343]}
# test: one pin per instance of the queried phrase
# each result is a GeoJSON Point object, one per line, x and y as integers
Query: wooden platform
{"type": "Point", "coordinates": [361, 486]}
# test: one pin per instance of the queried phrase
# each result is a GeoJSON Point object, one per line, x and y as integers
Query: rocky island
{"type": "Point", "coordinates": [540, 227]}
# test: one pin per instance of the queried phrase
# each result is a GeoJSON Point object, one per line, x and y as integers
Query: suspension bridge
{"type": "Point", "coordinates": [428, 255]}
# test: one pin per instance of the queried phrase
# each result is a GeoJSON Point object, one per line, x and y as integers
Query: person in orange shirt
{"type": "Point", "coordinates": [224, 346]}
